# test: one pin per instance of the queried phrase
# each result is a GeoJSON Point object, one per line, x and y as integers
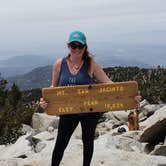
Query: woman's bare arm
{"type": "Point", "coordinates": [55, 79]}
{"type": "Point", "coordinates": [55, 72]}
{"type": "Point", "coordinates": [99, 73]}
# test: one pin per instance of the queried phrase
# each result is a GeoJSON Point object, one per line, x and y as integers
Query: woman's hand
{"type": "Point", "coordinates": [43, 104]}
{"type": "Point", "coordinates": [138, 98]}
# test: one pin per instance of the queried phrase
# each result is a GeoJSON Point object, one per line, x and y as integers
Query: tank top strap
{"type": "Point", "coordinates": [63, 65]}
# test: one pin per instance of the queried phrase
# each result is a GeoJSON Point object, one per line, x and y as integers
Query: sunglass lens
{"type": "Point", "coordinates": [74, 46]}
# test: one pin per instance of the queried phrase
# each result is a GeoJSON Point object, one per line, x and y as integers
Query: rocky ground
{"type": "Point", "coordinates": [114, 144]}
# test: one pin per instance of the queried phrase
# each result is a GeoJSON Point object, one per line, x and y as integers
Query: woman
{"type": "Point", "coordinates": [77, 68]}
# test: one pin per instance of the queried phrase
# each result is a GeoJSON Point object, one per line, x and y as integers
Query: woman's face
{"type": "Point", "coordinates": [76, 48]}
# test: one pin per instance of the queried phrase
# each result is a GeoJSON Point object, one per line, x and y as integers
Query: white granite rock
{"type": "Point", "coordinates": [42, 121]}
{"type": "Point", "coordinates": [45, 135]}
{"type": "Point", "coordinates": [20, 147]}
{"type": "Point", "coordinates": [154, 126]}
{"type": "Point", "coordinates": [118, 150]}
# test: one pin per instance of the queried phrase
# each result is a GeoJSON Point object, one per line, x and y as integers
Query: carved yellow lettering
{"type": "Point", "coordinates": [114, 106]}
{"type": "Point", "coordinates": [121, 88]}
{"type": "Point", "coordinates": [65, 109]}
{"type": "Point", "coordinates": [111, 89]}
{"type": "Point", "coordinates": [100, 90]}
{"type": "Point", "coordinates": [108, 106]}
{"type": "Point", "coordinates": [82, 91]}
{"type": "Point", "coordinates": [71, 109]}
{"type": "Point", "coordinates": [90, 103]}
{"type": "Point", "coordinates": [96, 102]}
{"type": "Point", "coordinates": [121, 105]}
{"type": "Point", "coordinates": [118, 105]}
{"type": "Point", "coordinates": [59, 109]}
{"type": "Point", "coordinates": [60, 93]}
{"type": "Point", "coordinates": [84, 103]}
{"type": "Point", "coordinates": [117, 88]}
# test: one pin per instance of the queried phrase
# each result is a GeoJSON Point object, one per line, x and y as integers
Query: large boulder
{"type": "Point", "coordinates": [41, 121]}
{"type": "Point", "coordinates": [154, 127]}
{"type": "Point", "coordinates": [148, 110]}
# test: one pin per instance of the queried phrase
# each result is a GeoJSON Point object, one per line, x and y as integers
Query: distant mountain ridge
{"type": "Point", "coordinates": [37, 78]}
{"type": "Point", "coordinates": [41, 77]}
{"type": "Point", "coordinates": [143, 55]}
{"type": "Point", "coordinates": [19, 65]}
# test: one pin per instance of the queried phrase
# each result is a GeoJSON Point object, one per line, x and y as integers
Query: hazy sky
{"type": "Point", "coordinates": [42, 26]}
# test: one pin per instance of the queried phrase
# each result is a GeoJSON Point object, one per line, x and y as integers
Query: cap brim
{"type": "Point", "coordinates": [80, 41]}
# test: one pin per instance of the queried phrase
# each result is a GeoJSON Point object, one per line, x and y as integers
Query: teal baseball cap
{"type": "Point", "coordinates": [78, 37]}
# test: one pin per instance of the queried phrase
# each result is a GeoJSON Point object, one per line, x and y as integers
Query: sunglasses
{"type": "Point", "coordinates": [76, 45]}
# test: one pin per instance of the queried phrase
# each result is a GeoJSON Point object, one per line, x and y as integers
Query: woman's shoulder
{"type": "Point", "coordinates": [93, 62]}
{"type": "Point", "coordinates": [95, 66]}
{"type": "Point", "coordinates": [57, 64]}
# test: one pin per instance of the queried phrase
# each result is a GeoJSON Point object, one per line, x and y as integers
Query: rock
{"type": "Point", "coordinates": [122, 149]}
{"type": "Point", "coordinates": [105, 126]}
{"type": "Point", "coordinates": [159, 150]}
{"type": "Point", "coordinates": [27, 129]}
{"type": "Point", "coordinates": [9, 162]}
{"type": "Point", "coordinates": [135, 134]}
{"type": "Point", "coordinates": [19, 148]}
{"type": "Point", "coordinates": [39, 147]}
{"type": "Point", "coordinates": [103, 155]}
{"type": "Point", "coordinates": [151, 108]}
{"type": "Point", "coordinates": [121, 115]}
{"type": "Point", "coordinates": [108, 116]}
{"type": "Point", "coordinates": [32, 141]}
{"type": "Point", "coordinates": [125, 143]}
{"type": "Point", "coordinates": [50, 129]}
{"type": "Point", "coordinates": [155, 127]}
{"type": "Point", "coordinates": [148, 110]}
{"type": "Point", "coordinates": [121, 130]}
{"type": "Point", "coordinates": [78, 132]}
{"type": "Point", "coordinates": [45, 135]}
{"type": "Point", "coordinates": [116, 132]}
{"type": "Point", "coordinates": [41, 121]}
{"type": "Point", "coordinates": [112, 157]}
{"type": "Point", "coordinates": [143, 103]}
{"type": "Point", "coordinates": [22, 156]}
{"type": "Point", "coordinates": [117, 124]}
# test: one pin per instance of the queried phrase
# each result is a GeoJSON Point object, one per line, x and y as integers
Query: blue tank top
{"type": "Point", "coordinates": [66, 78]}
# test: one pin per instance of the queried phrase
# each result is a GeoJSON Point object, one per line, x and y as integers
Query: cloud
{"type": "Point", "coordinates": [29, 23]}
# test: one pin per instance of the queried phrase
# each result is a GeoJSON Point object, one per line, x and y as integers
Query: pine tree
{"type": "Point", "coordinates": [13, 113]}
{"type": "Point", "coordinates": [14, 96]}
{"type": "Point", "coordinates": [3, 92]}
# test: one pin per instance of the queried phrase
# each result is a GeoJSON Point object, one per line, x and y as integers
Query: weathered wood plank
{"type": "Point", "coordinates": [91, 98]}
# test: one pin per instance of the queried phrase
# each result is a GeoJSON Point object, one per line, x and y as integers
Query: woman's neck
{"type": "Point", "coordinates": [75, 59]}
{"type": "Point", "coordinates": [74, 63]}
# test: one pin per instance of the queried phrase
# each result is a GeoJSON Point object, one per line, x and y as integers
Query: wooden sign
{"type": "Point", "coordinates": [90, 98]}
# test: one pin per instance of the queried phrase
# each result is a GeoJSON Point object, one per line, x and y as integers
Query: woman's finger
{"type": "Point", "coordinates": [44, 105]}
